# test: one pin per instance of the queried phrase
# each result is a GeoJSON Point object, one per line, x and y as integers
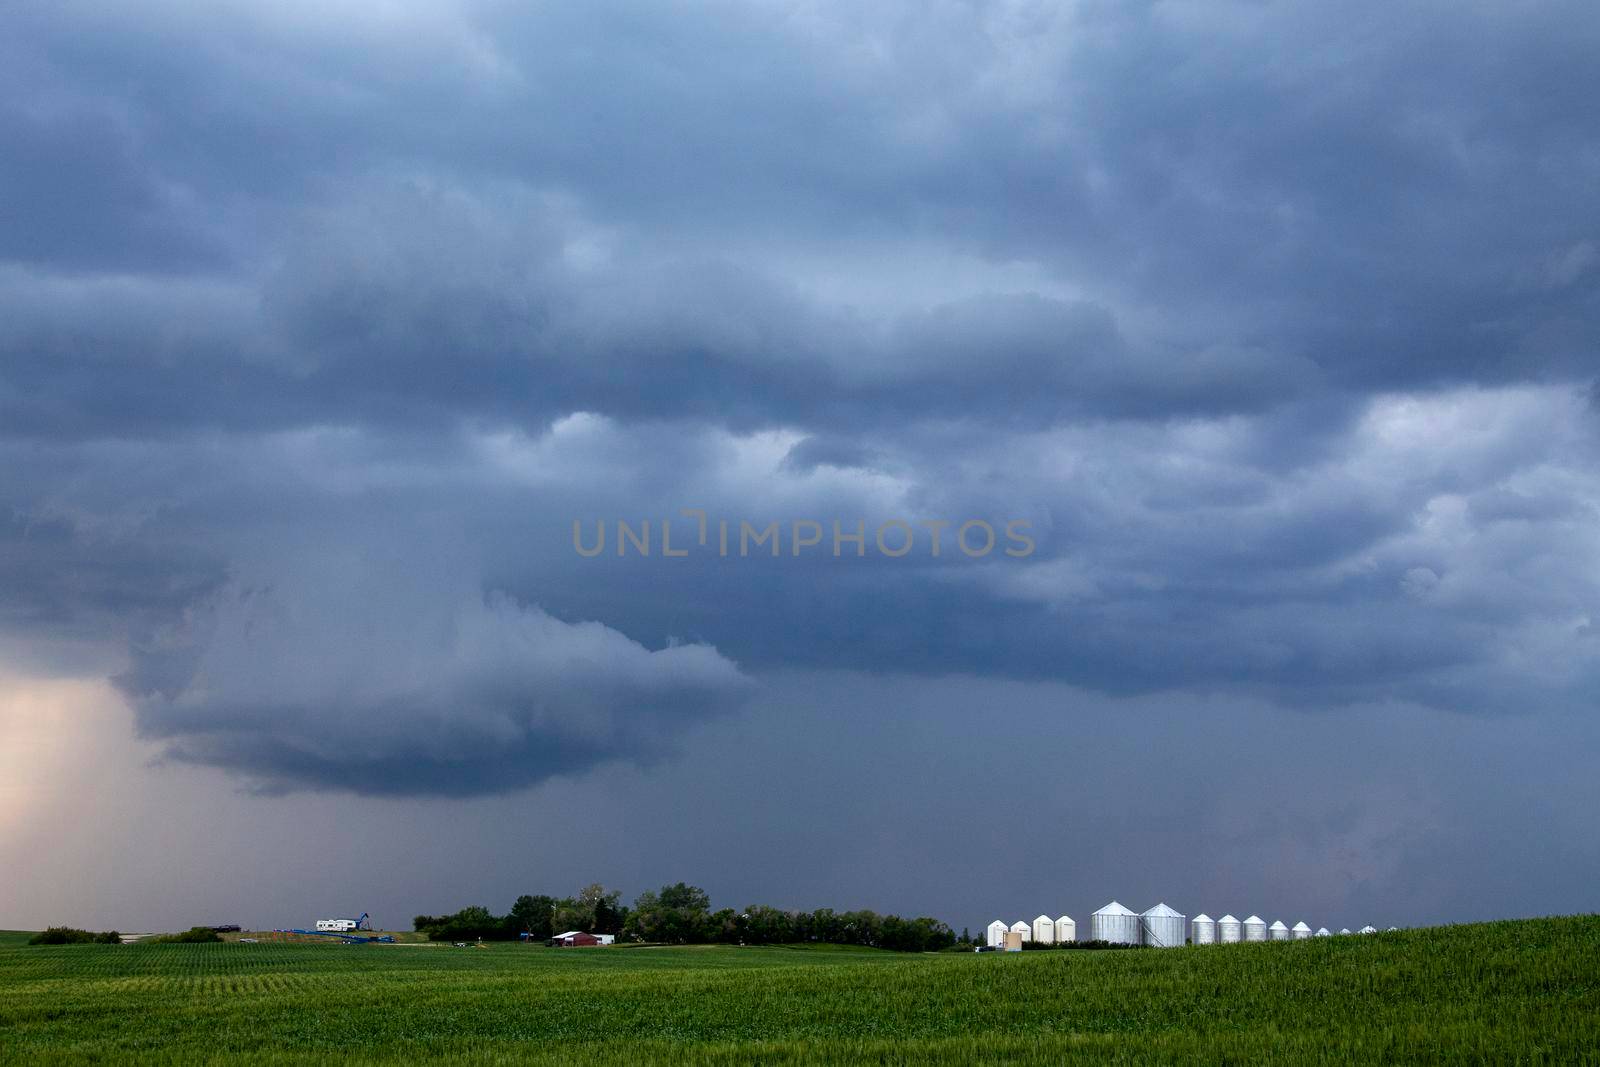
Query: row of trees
{"type": "Point", "coordinates": [681, 914]}
{"type": "Point", "coordinates": [71, 935]}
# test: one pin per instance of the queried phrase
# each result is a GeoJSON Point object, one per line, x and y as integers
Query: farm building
{"type": "Point", "coordinates": [1301, 931]}
{"type": "Point", "coordinates": [580, 939]}
{"type": "Point", "coordinates": [1204, 929]}
{"type": "Point", "coordinates": [1161, 927]}
{"type": "Point", "coordinates": [995, 936]}
{"type": "Point", "coordinates": [1229, 930]}
{"type": "Point", "coordinates": [1255, 928]}
{"type": "Point", "coordinates": [1023, 929]}
{"type": "Point", "coordinates": [1044, 930]}
{"type": "Point", "coordinates": [1115, 924]}
{"type": "Point", "coordinates": [1278, 931]}
{"type": "Point", "coordinates": [1066, 930]}
{"type": "Point", "coordinates": [1322, 931]}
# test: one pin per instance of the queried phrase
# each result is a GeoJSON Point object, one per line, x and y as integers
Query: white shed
{"type": "Point", "coordinates": [1203, 929]}
{"type": "Point", "coordinates": [1115, 924]}
{"type": "Point", "coordinates": [1044, 930]}
{"type": "Point", "coordinates": [1229, 932]}
{"type": "Point", "coordinates": [1278, 931]}
{"type": "Point", "coordinates": [1162, 927]}
{"type": "Point", "coordinates": [1066, 930]}
{"type": "Point", "coordinates": [1322, 931]}
{"type": "Point", "coordinates": [1255, 928]}
{"type": "Point", "coordinates": [996, 935]}
{"type": "Point", "coordinates": [1020, 927]}
{"type": "Point", "coordinates": [1301, 931]}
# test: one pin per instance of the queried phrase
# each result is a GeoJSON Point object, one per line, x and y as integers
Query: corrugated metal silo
{"type": "Point", "coordinates": [1322, 931]}
{"type": "Point", "coordinates": [1020, 927]}
{"type": "Point", "coordinates": [1066, 930]}
{"type": "Point", "coordinates": [1255, 928]}
{"type": "Point", "coordinates": [1344, 929]}
{"type": "Point", "coordinates": [1229, 931]}
{"type": "Point", "coordinates": [1044, 930]}
{"type": "Point", "coordinates": [1162, 927]}
{"type": "Point", "coordinates": [1301, 931]}
{"type": "Point", "coordinates": [1369, 929]}
{"type": "Point", "coordinates": [1204, 929]}
{"type": "Point", "coordinates": [1278, 931]}
{"type": "Point", "coordinates": [996, 935]}
{"type": "Point", "coordinates": [1115, 924]}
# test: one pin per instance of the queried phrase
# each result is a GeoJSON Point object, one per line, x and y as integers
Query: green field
{"type": "Point", "coordinates": [1525, 991]}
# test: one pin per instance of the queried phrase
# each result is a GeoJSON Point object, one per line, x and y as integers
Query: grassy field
{"type": "Point", "coordinates": [1499, 992]}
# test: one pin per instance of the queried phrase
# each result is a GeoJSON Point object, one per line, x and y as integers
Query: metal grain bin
{"type": "Point", "coordinates": [1255, 928]}
{"type": "Point", "coordinates": [1115, 924]}
{"type": "Point", "coordinates": [1301, 931]}
{"type": "Point", "coordinates": [1203, 929]}
{"type": "Point", "coordinates": [1162, 927]}
{"type": "Point", "coordinates": [1278, 931]}
{"type": "Point", "coordinates": [1229, 930]}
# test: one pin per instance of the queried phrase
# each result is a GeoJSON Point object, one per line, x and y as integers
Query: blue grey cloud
{"type": "Point", "coordinates": [1277, 324]}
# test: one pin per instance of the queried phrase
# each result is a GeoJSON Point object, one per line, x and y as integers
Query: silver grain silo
{"type": "Point", "coordinates": [1369, 929]}
{"type": "Point", "coordinates": [1044, 930]}
{"type": "Point", "coordinates": [1066, 930]}
{"type": "Point", "coordinates": [995, 936]}
{"type": "Point", "coordinates": [1161, 927]}
{"type": "Point", "coordinates": [1322, 931]}
{"type": "Point", "coordinates": [1278, 931]}
{"type": "Point", "coordinates": [1255, 928]}
{"type": "Point", "coordinates": [1204, 929]}
{"type": "Point", "coordinates": [1301, 931]}
{"type": "Point", "coordinates": [1344, 929]}
{"type": "Point", "coordinates": [1229, 932]}
{"type": "Point", "coordinates": [1115, 924]}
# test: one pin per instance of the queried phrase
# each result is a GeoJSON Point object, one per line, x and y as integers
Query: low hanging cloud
{"type": "Point", "coordinates": [384, 685]}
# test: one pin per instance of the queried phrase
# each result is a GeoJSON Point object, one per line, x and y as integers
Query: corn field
{"type": "Point", "coordinates": [1523, 991]}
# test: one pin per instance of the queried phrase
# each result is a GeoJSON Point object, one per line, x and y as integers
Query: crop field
{"type": "Point", "coordinates": [1526, 991]}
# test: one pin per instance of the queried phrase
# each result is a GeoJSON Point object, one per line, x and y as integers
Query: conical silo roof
{"type": "Point", "coordinates": [1322, 931]}
{"type": "Point", "coordinates": [1301, 931]}
{"type": "Point", "coordinates": [1113, 908]}
{"type": "Point", "coordinates": [1369, 929]}
{"type": "Point", "coordinates": [1202, 918]}
{"type": "Point", "coordinates": [1344, 929]}
{"type": "Point", "coordinates": [1227, 919]}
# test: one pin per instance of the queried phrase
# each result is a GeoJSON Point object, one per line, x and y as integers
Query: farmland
{"type": "Point", "coordinates": [1524, 990]}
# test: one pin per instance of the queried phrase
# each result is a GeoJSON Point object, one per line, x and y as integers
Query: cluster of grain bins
{"type": "Point", "coordinates": [1045, 930]}
{"type": "Point", "coordinates": [1159, 927]}
{"type": "Point", "coordinates": [1205, 930]}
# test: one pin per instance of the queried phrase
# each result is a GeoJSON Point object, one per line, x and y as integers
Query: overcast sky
{"type": "Point", "coordinates": [1274, 329]}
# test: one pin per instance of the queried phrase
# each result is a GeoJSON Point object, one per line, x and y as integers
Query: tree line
{"type": "Point", "coordinates": [681, 914]}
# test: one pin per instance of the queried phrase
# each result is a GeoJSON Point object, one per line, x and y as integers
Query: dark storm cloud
{"type": "Point", "coordinates": [364, 682]}
{"type": "Point", "coordinates": [1271, 321]}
